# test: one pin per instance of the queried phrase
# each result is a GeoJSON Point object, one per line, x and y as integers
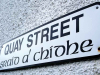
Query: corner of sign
{"type": "Point", "coordinates": [97, 3]}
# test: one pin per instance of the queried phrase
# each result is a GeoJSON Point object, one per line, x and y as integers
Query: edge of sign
{"type": "Point", "coordinates": [88, 58]}
{"type": "Point", "coordinates": [59, 61]}
{"type": "Point", "coordinates": [96, 3]}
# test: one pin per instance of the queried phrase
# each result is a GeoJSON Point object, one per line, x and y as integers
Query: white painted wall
{"type": "Point", "coordinates": [20, 16]}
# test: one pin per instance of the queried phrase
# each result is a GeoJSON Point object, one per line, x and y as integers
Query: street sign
{"type": "Point", "coordinates": [71, 36]}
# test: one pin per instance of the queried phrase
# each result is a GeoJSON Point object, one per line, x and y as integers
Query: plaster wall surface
{"type": "Point", "coordinates": [20, 16]}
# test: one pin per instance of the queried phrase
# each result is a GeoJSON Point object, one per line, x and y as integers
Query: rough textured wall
{"type": "Point", "coordinates": [20, 16]}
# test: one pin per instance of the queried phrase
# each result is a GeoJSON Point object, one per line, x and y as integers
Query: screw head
{"type": "Point", "coordinates": [99, 49]}
{"type": "Point", "coordinates": [97, 7]}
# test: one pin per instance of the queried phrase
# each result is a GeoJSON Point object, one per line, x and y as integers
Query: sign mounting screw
{"type": "Point", "coordinates": [97, 7]}
{"type": "Point", "coordinates": [99, 49]}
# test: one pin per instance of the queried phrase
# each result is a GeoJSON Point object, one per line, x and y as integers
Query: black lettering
{"type": "Point", "coordinates": [5, 63]}
{"type": "Point", "coordinates": [89, 44]}
{"type": "Point", "coordinates": [64, 27]}
{"type": "Point", "coordinates": [51, 51]}
{"type": "Point", "coordinates": [12, 47]}
{"type": "Point", "coordinates": [11, 50]}
{"type": "Point", "coordinates": [2, 64]}
{"type": "Point", "coordinates": [16, 46]}
{"type": "Point", "coordinates": [9, 62]}
{"type": "Point", "coordinates": [61, 46]}
{"type": "Point", "coordinates": [35, 55]}
{"type": "Point", "coordinates": [53, 31]}
{"type": "Point", "coordinates": [42, 52]}
{"type": "Point", "coordinates": [45, 35]}
{"type": "Point", "coordinates": [36, 33]}
{"type": "Point", "coordinates": [25, 58]}
{"type": "Point", "coordinates": [30, 40]}
{"type": "Point", "coordinates": [68, 47]}
{"type": "Point", "coordinates": [20, 43]}
{"type": "Point", "coordinates": [6, 49]}
{"type": "Point", "coordinates": [77, 21]}
{"type": "Point", "coordinates": [16, 61]}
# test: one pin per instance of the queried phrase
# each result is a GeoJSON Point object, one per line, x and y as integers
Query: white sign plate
{"type": "Point", "coordinates": [74, 35]}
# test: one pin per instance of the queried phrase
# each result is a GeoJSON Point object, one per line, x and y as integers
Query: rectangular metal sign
{"type": "Point", "coordinates": [73, 35]}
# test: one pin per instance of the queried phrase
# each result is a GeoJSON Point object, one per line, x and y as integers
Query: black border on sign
{"type": "Point", "coordinates": [59, 61]}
